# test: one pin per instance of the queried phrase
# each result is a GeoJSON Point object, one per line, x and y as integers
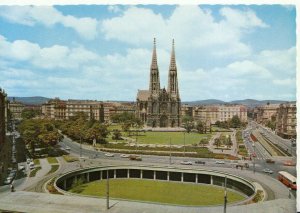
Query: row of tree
{"type": "Point", "coordinates": [234, 122]}
{"type": "Point", "coordinates": [80, 128]}
{"type": "Point", "coordinates": [189, 124]}
{"type": "Point", "coordinates": [39, 133]}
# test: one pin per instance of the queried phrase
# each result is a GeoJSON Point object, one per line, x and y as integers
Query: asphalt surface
{"type": "Point", "coordinates": [88, 153]}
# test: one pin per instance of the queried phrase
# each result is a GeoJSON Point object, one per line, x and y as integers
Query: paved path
{"type": "Point", "coordinates": [42, 203]}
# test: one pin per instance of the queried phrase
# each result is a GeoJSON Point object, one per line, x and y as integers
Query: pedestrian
{"type": "Point", "coordinates": [12, 189]}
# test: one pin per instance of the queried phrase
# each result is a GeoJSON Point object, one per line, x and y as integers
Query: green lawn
{"type": "Point", "coordinates": [36, 161]}
{"type": "Point", "coordinates": [164, 137]}
{"type": "Point", "coordinates": [34, 171]}
{"type": "Point", "coordinates": [70, 158]}
{"type": "Point", "coordinates": [52, 160]}
{"type": "Point", "coordinates": [53, 169]}
{"type": "Point", "coordinates": [159, 191]}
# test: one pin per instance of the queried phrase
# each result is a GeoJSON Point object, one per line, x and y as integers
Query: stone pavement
{"type": "Point", "coordinates": [41, 203]}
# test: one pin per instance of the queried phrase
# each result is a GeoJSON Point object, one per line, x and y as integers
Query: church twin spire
{"type": "Point", "coordinates": [154, 87]}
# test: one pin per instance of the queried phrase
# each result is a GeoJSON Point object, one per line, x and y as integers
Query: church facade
{"type": "Point", "coordinates": [160, 107]}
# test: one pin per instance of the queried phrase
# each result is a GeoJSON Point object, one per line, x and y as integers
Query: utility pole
{"type": "Point", "coordinates": [80, 146]}
{"type": "Point", "coordinates": [225, 194]}
{"type": "Point", "coordinates": [107, 189]}
{"type": "Point", "coordinates": [170, 160]}
{"type": "Point", "coordinates": [253, 159]}
{"type": "Point", "coordinates": [184, 143]}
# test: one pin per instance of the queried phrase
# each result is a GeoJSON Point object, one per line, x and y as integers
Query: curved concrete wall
{"type": "Point", "coordinates": [236, 183]}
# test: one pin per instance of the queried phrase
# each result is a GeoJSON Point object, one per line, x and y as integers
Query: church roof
{"type": "Point", "coordinates": [143, 95]}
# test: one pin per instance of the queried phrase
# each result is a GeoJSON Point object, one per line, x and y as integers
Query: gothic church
{"type": "Point", "coordinates": [158, 107]}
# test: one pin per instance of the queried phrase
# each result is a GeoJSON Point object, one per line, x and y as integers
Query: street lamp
{"type": "Point", "coordinates": [225, 194]}
{"type": "Point", "coordinates": [184, 144]}
{"type": "Point", "coordinates": [253, 157]}
{"type": "Point", "coordinates": [107, 189]}
{"type": "Point", "coordinates": [292, 144]}
{"type": "Point", "coordinates": [80, 146]}
{"type": "Point", "coordinates": [170, 158]}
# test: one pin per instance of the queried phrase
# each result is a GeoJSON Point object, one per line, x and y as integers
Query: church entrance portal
{"type": "Point", "coordinates": [163, 121]}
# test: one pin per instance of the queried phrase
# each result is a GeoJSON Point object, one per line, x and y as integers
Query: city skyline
{"type": "Point", "coordinates": [84, 52]}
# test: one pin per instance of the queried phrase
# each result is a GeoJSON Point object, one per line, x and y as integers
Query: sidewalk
{"type": "Point", "coordinates": [42, 203]}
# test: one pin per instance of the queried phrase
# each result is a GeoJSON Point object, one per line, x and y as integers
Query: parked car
{"type": "Point", "coordinates": [21, 167]}
{"type": "Point", "coordinates": [31, 165]}
{"type": "Point", "coordinates": [199, 162]}
{"type": "Point", "coordinates": [124, 156]}
{"type": "Point", "coordinates": [269, 171]}
{"type": "Point", "coordinates": [270, 160]}
{"type": "Point", "coordinates": [68, 148]}
{"type": "Point", "coordinates": [186, 162]}
{"type": "Point", "coordinates": [135, 157]}
{"type": "Point", "coordinates": [109, 155]}
{"type": "Point", "coordinates": [8, 180]}
{"type": "Point", "coordinates": [220, 162]}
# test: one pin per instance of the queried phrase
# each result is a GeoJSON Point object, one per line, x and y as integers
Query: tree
{"type": "Point", "coordinates": [188, 123]}
{"type": "Point", "coordinates": [217, 142]}
{"type": "Point", "coordinates": [117, 134]}
{"type": "Point", "coordinates": [235, 122]}
{"type": "Point", "coordinates": [30, 113]}
{"type": "Point", "coordinates": [200, 127]}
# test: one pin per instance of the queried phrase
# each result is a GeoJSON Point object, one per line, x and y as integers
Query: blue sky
{"type": "Point", "coordinates": [104, 52]}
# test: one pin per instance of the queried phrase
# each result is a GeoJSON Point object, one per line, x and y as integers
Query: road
{"type": "Point", "coordinates": [89, 153]}
{"type": "Point", "coordinates": [285, 144]}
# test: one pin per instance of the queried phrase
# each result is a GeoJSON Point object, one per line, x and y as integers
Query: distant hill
{"type": "Point", "coordinates": [205, 102]}
{"type": "Point", "coordinates": [35, 100]}
{"type": "Point", "coordinates": [251, 103]}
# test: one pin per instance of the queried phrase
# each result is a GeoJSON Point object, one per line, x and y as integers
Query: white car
{"type": "Point", "coordinates": [269, 171]}
{"type": "Point", "coordinates": [21, 167]}
{"type": "Point", "coordinates": [31, 165]}
{"type": "Point", "coordinates": [109, 155]}
{"type": "Point", "coordinates": [220, 162]}
{"type": "Point", "coordinates": [68, 148]}
{"type": "Point", "coordinates": [186, 162]}
{"type": "Point", "coordinates": [124, 156]}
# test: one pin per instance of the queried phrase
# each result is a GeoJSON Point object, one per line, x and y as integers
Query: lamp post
{"type": "Point", "coordinates": [80, 146]}
{"type": "Point", "coordinates": [170, 158]}
{"type": "Point", "coordinates": [292, 144]}
{"type": "Point", "coordinates": [225, 194]}
{"type": "Point", "coordinates": [253, 157]}
{"type": "Point", "coordinates": [184, 144]}
{"type": "Point", "coordinates": [107, 189]}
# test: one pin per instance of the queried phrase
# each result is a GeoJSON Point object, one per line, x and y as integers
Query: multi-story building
{"type": "Point", "coordinates": [3, 117]}
{"type": "Point", "coordinates": [266, 113]}
{"type": "Point", "coordinates": [186, 110]}
{"type": "Point", "coordinates": [98, 110]}
{"type": "Point", "coordinates": [16, 108]}
{"type": "Point", "coordinates": [61, 110]}
{"type": "Point", "coordinates": [286, 120]}
{"type": "Point", "coordinates": [160, 107]}
{"type": "Point", "coordinates": [213, 113]}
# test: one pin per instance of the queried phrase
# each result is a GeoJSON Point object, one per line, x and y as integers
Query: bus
{"type": "Point", "coordinates": [287, 179]}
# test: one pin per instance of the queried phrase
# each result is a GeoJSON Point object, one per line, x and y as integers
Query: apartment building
{"type": "Point", "coordinates": [286, 121]}
{"type": "Point", "coordinates": [213, 113]}
{"type": "Point", "coordinates": [3, 116]}
{"type": "Point", "coordinates": [16, 108]}
{"type": "Point", "coordinates": [266, 113]}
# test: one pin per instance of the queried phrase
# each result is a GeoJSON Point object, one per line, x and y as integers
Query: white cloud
{"type": "Point", "coordinates": [192, 27]}
{"type": "Point", "coordinates": [56, 56]}
{"type": "Point", "coordinates": [114, 8]}
{"type": "Point", "coordinates": [241, 19]}
{"type": "Point", "coordinates": [285, 82]}
{"type": "Point", "coordinates": [49, 16]}
{"type": "Point", "coordinates": [248, 69]}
